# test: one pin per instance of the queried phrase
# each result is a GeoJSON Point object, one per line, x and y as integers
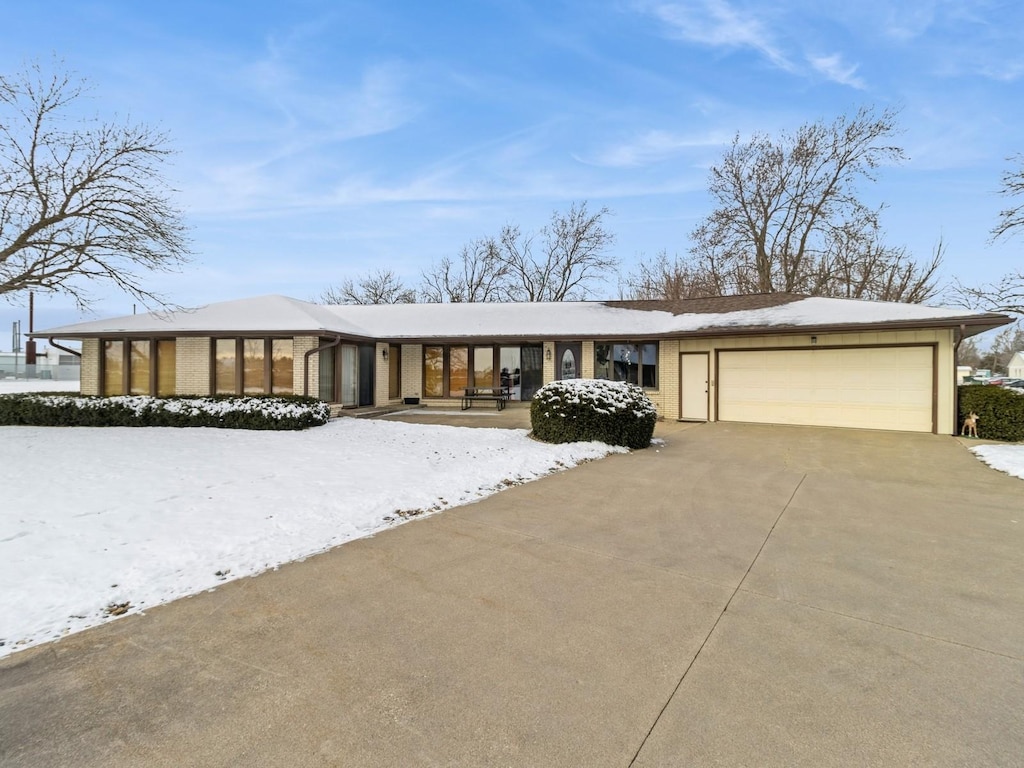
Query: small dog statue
{"type": "Point", "coordinates": [970, 427]}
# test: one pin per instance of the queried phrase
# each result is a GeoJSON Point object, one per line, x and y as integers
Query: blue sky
{"type": "Point", "coordinates": [318, 140]}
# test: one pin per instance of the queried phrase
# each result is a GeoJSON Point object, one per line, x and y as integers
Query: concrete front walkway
{"type": "Point", "coordinates": [739, 596]}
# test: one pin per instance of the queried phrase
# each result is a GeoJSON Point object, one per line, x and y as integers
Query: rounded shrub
{"type": "Point", "coordinates": [60, 409]}
{"type": "Point", "coordinates": [1000, 411]}
{"type": "Point", "coordinates": [613, 412]}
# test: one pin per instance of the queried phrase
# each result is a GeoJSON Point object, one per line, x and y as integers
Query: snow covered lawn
{"type": "Point", "coordinates": [1005, 458]}
{"type": "Point", "coordinates": [10, 386]}
{"type": "Point", "coordinates": [93, 521]}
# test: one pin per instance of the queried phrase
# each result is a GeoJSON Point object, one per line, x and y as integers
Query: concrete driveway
{"type": "Point", "coordinates": [741, 596]}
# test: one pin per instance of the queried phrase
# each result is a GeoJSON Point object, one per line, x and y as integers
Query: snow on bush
{"type": "Point", "coordinates": [613, 412]}
{"type": "Point", "coordinates": [263, 412]}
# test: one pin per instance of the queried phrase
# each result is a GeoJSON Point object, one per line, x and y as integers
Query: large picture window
{"type": "Point", "coordinates": [447, 371]}
{"type": "Point", "coordinates": [635, 362]}
{"type": "Point", "coordinates": [139, 367]}
{"type": "Point", "coordinates": [253, 366]}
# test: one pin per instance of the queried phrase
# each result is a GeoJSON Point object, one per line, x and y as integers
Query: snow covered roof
{"type": "Point", "coordinates": [759, 313]}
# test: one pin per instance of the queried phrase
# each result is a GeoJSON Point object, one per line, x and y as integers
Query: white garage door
{"type": "Point", "coordinates": [869, 388]}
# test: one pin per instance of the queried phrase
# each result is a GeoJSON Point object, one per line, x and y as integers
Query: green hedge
{"type": "Point", "coordinates": [1000, 411]}
{"type": "Point", "coordinates": [612, 412]}
{"type": "Point", "coordinates": [278, 412]}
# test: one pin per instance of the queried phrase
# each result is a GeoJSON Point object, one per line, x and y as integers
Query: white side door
{"type": "Point", "coordinates": [693, 386]}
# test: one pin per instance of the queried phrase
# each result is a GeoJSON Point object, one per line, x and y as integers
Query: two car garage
{"type": "Point", "coordinates": [866, 387]}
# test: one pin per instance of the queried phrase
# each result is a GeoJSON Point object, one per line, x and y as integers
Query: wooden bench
{"type": "Point", "coordinates": [500, 396]}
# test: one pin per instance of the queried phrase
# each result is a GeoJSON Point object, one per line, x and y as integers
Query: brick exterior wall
{"type": "Point", "coordinates": [300, 346]}
{"type": "Point", "coordinates": [412, 370]}
{"type": "Point", "coordinates": [382, 377]}
{"type": "Point", "coordinates": [587, 363]}
{"type": "Point", "coordinates": [548, 367]}
{"type": "Point", "coordinates": [90, 381]}
{"type": "Point", "coordinates": [192, 365]}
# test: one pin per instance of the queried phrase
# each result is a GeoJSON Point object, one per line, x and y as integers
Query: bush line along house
{"type": "Point", "coordinates": [771, 358]}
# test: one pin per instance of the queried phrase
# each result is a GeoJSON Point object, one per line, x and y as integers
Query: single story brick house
{"type": "Point", "coordinates": [772, 358]}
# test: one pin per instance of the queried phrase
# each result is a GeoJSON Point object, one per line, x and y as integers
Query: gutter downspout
{"type": "Point", "coordinates": [70, 351]}
{"type": "Point", "coordinates": [956, 365]}
{"type": "Point", "coordinates": [305, 362]}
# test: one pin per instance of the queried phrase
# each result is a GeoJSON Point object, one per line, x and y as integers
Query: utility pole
{"type": "Point", "coordinates": [30, 345]}
{"type": "Point", "coordinates": [16, 343]}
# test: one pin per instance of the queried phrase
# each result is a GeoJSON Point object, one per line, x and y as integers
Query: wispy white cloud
{"type": "Point", "coordinates": [719, 24]}
{"type": "Point", "coordinates": [715, 23]}
{"type": "Point", "coordinates": [651, 147]}
{"type": "Point", "coordinates": [835, 69]}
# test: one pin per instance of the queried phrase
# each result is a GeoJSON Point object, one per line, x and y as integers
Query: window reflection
{"type": "Point", "coordinates": [458, 373]}
{"type": "Point", "coordinates": [225, 367]}
{"type": "Point", "coordinates": [113, 367]}
{"type": "Point", "coordinates": [166, 367]}
{"type": "Point", "coordinates": [433, 371]}
{"type": "Point", "coordinates": [281, 368]}
{"type": "Point", "coordinates": [138, 374]}
{"type": "Point", "coordinates": [635, 363]}
{"type": "Point", "coordinates": [483, 366]}
{"type": "Point", "coordinates": [252, 366]}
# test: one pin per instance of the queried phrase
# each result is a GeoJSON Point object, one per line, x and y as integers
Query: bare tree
{"type": "Point", "coordinates": [562, 261]}
{"type": "Point", "coordinates": [1007, 293]}
{"type": "Point", "coordinates": [479, 274]}
{"type": "Point", "coordinates": [1003, 295]}
{"type": "Point", "coordinates": [788, 216]}
{"type": "Point", "coordinates": [662, 278]}
{"type": "Point", "coordinates": [381, 286]}
{"type": "Point", "coordinates": [1012, 218]}
{"type": "Point", "coordinates": [1003, 346]}
{"type": "Point", "coordinates": [863, 267]}
{"type": "Point", "coordinates": [80, 200]}
{"type": "Point", "coordinates": [968, 353]}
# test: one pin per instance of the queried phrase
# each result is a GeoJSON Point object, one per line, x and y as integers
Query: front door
{"type": "Point", "coordinates": [568, 358]}
{"type": "Point", "coordinates": [693, 386]}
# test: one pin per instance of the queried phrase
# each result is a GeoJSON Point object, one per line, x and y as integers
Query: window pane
{"type": "Point", "coordinates": [282, 371]}
{"type": "Point", "coordinates": [166, 361]}
{"type": "Point", "coordinates": [510, 375]}
{"type": "Point", "coordinates": [624, 358]}
{"type": "Point", "coordinates": [458, 374]}
{"type": "Point", "coordinates": [138, 374]}
{"type": "Point", "coordinates": [483, 366]}
{"type": "Point", "coordinates": [602, 361]}
{"type": "Point", "coordinates": [327, 373]}
{"type": "Point", "coordinates": [649, 361]}
{"type": "Point", "coordinates": [433, 371]}
{"type": "Point", "coordinates": [349, 375]}
{"type": "Point", "coordinates": [394, 372]}
{"type": "Point", "coordinates": [252, 371]}
{"type": "Point", "coordinates": [113, 368]}
{"type": "Point", "coordinates": [225, 365]}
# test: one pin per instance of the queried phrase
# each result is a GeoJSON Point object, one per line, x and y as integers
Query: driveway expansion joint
{"type": "Point", "coordinates": [718, 619]}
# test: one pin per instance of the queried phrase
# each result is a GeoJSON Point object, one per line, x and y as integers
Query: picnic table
{"type": "Point", "coordinates": [500, 396]}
